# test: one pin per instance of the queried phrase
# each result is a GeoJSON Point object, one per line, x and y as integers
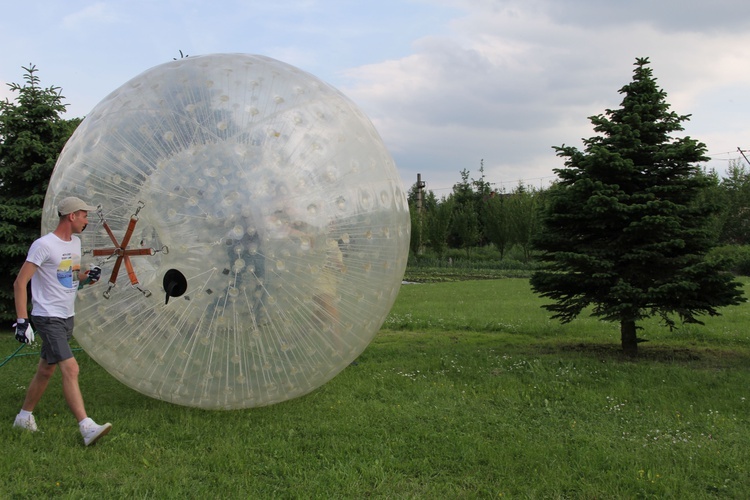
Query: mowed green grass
{"type": "Point", "coordinates": [469, 391]}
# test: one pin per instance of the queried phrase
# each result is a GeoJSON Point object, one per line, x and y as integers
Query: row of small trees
{"type": "Point", "coordinates": [474, 215]}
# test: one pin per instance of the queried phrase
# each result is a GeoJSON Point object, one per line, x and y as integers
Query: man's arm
{"type": "Point", "coordinates": [19, 288]}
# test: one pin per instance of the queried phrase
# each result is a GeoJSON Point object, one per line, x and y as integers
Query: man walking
{"type": "Point", "coordinates": [53, 265]}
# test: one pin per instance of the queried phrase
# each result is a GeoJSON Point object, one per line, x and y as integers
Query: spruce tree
{"type": "Point", "coordinates": [627, 228]}
{"type": "Point", "coordinates": [32, 134]}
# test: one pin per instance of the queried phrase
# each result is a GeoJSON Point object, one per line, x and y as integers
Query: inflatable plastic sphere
{"type": "Point", "coordinates": [252, 235]}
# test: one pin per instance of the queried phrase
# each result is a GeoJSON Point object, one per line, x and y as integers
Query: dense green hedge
{"type": "Point", "coordinates": [736, 256]}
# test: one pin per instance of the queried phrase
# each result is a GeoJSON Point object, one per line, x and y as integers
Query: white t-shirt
{"type": "Point", "coordinates": [55, 283]}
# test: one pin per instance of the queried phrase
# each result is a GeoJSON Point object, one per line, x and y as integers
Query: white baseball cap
{"type": "Point", "coordinates": [72, 204]}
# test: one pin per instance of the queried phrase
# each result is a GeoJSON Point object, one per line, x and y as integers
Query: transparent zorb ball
{"type": "Point", "coordinates": [253, 231]}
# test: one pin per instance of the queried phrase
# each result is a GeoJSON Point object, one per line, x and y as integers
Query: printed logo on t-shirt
{"type": "Point", "coordinates": [65, 271]}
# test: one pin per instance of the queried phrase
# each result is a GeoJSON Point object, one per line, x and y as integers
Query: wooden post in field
{"type": "Point", "coordinates": [420, 208]}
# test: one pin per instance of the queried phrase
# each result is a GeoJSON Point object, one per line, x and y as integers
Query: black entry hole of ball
{"type": "Point", "coordinates": [175, 284]}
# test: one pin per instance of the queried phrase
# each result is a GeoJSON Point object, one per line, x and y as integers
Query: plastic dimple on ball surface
{"type": "Point", "coordinates": [259, 223]}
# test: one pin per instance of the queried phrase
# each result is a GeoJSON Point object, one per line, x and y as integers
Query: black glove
{"type": "Point", "coordinates": [95, 273]}
{"type": "Point", "coordinates": [24, 332]}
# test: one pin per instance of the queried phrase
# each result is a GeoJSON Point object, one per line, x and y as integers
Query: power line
{"type": "Point", "coordinates": [733, 158]}
{"type": "Point", "coordinates": [515, 182]}
{"type": "Point", "coordinates": [724, 153]}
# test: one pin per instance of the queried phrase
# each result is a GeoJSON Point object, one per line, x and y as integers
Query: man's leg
{"type": "Point", "coordinates": [38, 384]}
{"type": "Point", "coordinates": [90, 430]}
{"type": "Point", "coordinates": [71, 390]}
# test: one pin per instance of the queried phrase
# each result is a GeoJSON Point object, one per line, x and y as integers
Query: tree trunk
{"type": "Point", "coordinates": [628, 337]}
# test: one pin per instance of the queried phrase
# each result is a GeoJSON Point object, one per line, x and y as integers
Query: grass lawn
{"type": "Point", "coordinates": [468, 391]}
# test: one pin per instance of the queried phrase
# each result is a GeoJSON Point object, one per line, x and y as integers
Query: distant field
{"type": "Point", "coordinates": [468, 391]}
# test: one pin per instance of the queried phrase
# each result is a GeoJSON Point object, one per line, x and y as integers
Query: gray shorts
{"type": "Point", "coordinates": [56, 334]}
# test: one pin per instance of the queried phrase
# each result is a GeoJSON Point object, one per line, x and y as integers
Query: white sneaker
{"type": "Point", "coordinates": [92, 432]}
{"type": "Point", "coordinates": [27, 423]}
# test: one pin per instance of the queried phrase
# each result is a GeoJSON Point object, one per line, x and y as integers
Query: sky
{"type": "Point", "coordinates": [450, 85]}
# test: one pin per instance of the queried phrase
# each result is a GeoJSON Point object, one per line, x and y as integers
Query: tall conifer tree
{"type": "Point", "coordinates": [626, 229]}
{"type": "Point", "coordinates": [32, 134]}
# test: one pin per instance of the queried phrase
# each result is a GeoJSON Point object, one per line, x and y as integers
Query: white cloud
{"type": "Point", "coordinates": [511, 79]}
{"type": "Point", "coordinates": [94, 14]}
